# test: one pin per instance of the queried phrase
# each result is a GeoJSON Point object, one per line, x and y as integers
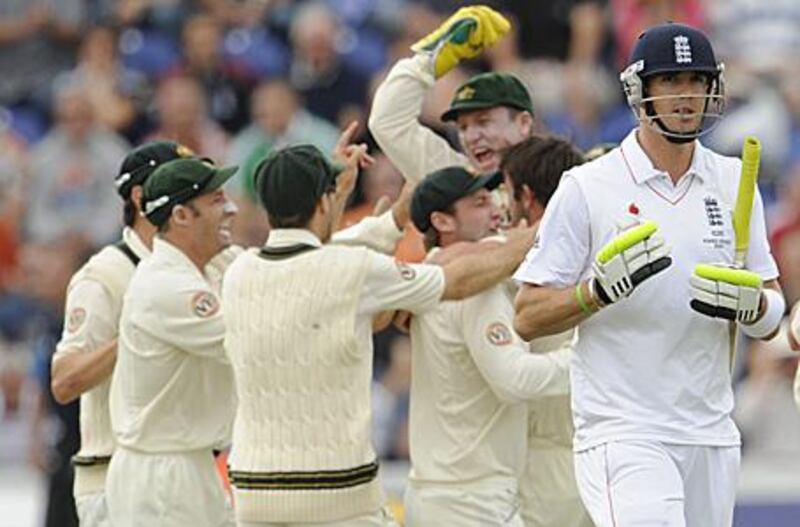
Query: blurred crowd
{"type": "Point", "coordinates": [85, 80]}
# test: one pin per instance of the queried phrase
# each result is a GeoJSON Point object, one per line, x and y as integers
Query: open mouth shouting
{"type": "Point", "coordinates": [486, 158]}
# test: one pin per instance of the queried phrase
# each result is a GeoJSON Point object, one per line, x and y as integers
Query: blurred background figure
{"type": "Point", "coordinates": [182, 116]}
{"type": "Point", "coordinates": [226, 83]}
{"type": "Point", "coordinates": [38, 39]}
{"type": "Point", "coordinates": [71, 195]}
{"type": "Point", "coordinates": [118, 94]}
{"type": "Point", "coordinates": [330, 88]}
{"type": "Point", "coordinates": [765, 409]}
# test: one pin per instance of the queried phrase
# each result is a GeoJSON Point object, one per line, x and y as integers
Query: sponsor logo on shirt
{"type": "Point", "coordinates": [406, 271]}
{"type": "Point", "coordinates": [498, 334]}
{"type": "Point", "coordinates": [204, 304]}
{"type": "Point", "coordinates": [75, 319]}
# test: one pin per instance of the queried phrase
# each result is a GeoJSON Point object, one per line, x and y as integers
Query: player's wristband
{"type": "Point", "coordinates": [581, 302]}
{"type": "Point", "coordinates": [771, 319]}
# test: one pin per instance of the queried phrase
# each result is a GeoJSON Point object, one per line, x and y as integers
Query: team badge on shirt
{"type": "Point", "coordinates": [406, 271]}
{"type": "Point", "coordinates": [75, 319]}
{"type": "Point", "coordinates": [204, 304]}
{"type": "Point", "coordinates": [499, 334]}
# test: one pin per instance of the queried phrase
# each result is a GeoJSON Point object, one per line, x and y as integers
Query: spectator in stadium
{"type": "Point", "coordinates": [37, 41]}
{"type": "Point", "coordinates": [278, 120]}
{"type": "Point", "coordinates": [225, 82]}
{"type": "Point", "coordinates": [183, 117]}
{"type": "Point", "coordinates": [118, 95]}
{"type": "Point", "coordinates": [329, 87]}
{"type": "Point", "coordinates": [69, 195]}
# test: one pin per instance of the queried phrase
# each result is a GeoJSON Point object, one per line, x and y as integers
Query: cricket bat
{"type": "Point", "coordinates": [751, 157]}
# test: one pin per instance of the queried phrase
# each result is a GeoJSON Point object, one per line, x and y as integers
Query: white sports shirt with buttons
{"type": "Point", "coordinates": [648, 367]}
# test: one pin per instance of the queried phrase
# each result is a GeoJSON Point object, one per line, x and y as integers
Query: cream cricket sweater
{"type": "Point", "coordinates": [302, 450]}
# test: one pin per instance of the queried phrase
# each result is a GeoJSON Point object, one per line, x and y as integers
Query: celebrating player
{"type": "Point", "coordinates": [298, 319]}
{"type": "Point", "coordinates": [172, 393]}
{"type": "Point", "coordinates": [492, 111]}
{"type": "Point", "coordinates": [470, 372]}
{"type": "Point", "coordinates": [86, 354]}
{"type": "Point", "coordinates": [655, 442]}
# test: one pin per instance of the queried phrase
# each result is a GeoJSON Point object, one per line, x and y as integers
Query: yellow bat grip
{"type": "Point", "coordinates": [751, 156]}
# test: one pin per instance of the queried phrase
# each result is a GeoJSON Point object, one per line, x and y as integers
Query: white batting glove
{"type": "Point", "coordinates": [721, 291]}
{"type": "Point", "coordinates": [628, 260]}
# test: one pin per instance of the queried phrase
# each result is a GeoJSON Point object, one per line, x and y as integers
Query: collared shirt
{"type": "Point", "coordinates": [470, 374]}
{"type": "Point", "coordinates": [172, 388]}
{"type": "Point", "coordinates": [92, 320]}
{"type": "Point", "coordinates": [648, 367]}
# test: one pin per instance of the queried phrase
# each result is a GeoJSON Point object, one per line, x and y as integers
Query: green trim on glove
{"type": "Point", "coordinates": [741, 277]}
{"type": "Point", "coordinates": [626, 240]}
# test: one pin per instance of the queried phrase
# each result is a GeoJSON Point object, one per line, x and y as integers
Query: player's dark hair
{"type": "Point", "coordinates": [538, 163]}
{"type": "Point", "coordinates": [129, 212]}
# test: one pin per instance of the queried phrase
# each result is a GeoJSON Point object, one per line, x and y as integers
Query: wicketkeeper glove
{"type": "Point", "coordinates": [462, 36]}
{"type": "Point", "coordinates": [721, 291]}
{"type": "Point", "coordinates": [627, 261]}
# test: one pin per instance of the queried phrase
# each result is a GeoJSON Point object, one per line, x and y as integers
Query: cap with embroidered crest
{"type": "Point", "coordinates": [488, 90]}
{"type": "Point", "coordinates": [177, 182]}
{"type": "Point", "coordinates": [440, 189]}
{"type": "Point", "coordinates": [143, 160]}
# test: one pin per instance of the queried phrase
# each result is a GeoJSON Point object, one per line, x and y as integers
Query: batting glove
{"type": "Point", "coordinates": [462, 36]}
{"type": "Point", "coordinates": [627, 261]}
{"type": "Point", "coordinates": [721, 291]}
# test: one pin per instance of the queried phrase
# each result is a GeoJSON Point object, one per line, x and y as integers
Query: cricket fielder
{"type": "Point", "coordinates": [549, 494]}
{"type": "Point", "coordinates": [470, 374]}
{"type": "Point", "coordinates": [172, 395]}
{"type": "Point", "coordinates": [651, 389]}
{"type": "Point", "coordinates": [492, 112]}
{"type": "Point", "coordinates": [298, 314]}
{"type": "Point", "coordinates": [86, 354]}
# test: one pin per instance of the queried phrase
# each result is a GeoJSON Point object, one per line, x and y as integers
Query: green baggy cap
{"type": "Point", "coordinates": [440, 189]}
{"type": "Point", "coordinates": [489, 90]}
{"type": "Point", "coordinates": [177, 182]}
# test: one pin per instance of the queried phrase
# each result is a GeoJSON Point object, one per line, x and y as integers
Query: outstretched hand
{"type": "Point", "coordinates": [351, 157]}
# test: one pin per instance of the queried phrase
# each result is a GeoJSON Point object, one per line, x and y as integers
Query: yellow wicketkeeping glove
{"type": "Point", "coordinates": [462, 36]}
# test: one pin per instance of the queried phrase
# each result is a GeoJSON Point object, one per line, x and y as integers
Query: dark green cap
{"type": "Point", "coordinates": [290, 181]}
{"type": "Point", "coordinates": [440, 189]}
{"type": "Point", "coordinates": [143, 160]}
{"type": "Point", "coordinates": [177, 182]}
{"type": "Point", "coordinates": [488, 90]}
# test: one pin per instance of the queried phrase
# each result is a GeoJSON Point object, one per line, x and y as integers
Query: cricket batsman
{"type": "Point", "coordinates": [637, 249]}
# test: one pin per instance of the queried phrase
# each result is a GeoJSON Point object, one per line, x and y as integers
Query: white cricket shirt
{"type": "Point", "coordinates": [648, 367]}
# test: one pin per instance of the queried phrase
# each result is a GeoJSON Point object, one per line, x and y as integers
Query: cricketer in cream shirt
{"type": "Point", "coordinates": [93, 305]}
{"type": "Point", "coordinates": [299, 338]}
{"type": "Point", "coordinates": [172, 394]}
{"type": "Point", "coordinates": [467, 426]}
{"type": "Point", "coordinates": [648, 368]}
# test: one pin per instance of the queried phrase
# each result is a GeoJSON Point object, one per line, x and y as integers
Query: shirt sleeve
{"type": "Point", "coordinates": [503, 358]}
{"type": "Point", "coordinates": [216, 267]}
{"type": "Point", "coordinates": [561, 250]}
{"type": "Point", "coordinates": [379, 233]}
{"type": "Point", "coordinates": [759, 254]}
{"type": "Point", "coordinates": [390, 284]}
{"type": "Point", "coordinates": [187, 316]}
{"type": "Point", "coordinates": [91, 318]}
{"type": "Point", "coordinates": [394, 122]}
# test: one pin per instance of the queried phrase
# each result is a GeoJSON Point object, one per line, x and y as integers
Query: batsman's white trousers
{"type": "Point", "coordinates": [169, 490]}
{"type": "Point", "coordinates": [548, 490]}
{"type": "Point", "coordinates": [649, 483]}
{"type": "Point", "coordinates": [485, 503]}
{"type": "Point", "coordinates": [382, 518]}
